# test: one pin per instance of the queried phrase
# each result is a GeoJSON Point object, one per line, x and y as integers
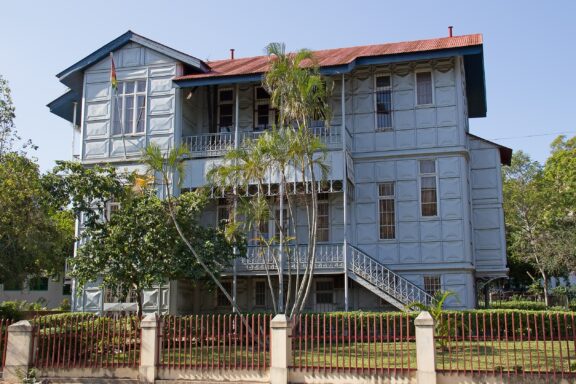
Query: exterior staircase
{"type": "Point", "coordinates": [383, 282]}
{"type": "Point", "coordinates": [362, 268]}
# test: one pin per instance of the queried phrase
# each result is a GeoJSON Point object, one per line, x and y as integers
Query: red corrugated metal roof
{"type": "Point", "coordinates": [339, 56]}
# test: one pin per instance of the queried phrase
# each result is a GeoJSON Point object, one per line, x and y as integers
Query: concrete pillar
{"type": "Point", "coordinates": [19, 352]}
{"type": "Point", "coordinates": [149, 349]}
{"type": "Point", "coordinates": [281, 349]}
{"type": "Point", "coordinates": [425, 349]}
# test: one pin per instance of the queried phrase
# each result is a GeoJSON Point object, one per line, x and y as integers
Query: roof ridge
{"type": "Point", "coordinates": [478, 35]}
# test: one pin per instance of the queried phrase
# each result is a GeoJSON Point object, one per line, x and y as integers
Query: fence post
{"type": "Point", "coordinates": [149, 349]}
{"type": "Point", "coordinates": [19, 354]}
{"type": "Point", "coordinates": [425, 349]}
{"type": "Point", "coordinates": [280, 349]}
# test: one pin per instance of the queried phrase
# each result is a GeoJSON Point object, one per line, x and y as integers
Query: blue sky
{"type": "Point", "coordinates": [529, 49]}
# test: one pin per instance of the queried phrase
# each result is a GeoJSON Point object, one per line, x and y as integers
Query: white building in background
{"type": "Point", "coordinates": [423, 196]}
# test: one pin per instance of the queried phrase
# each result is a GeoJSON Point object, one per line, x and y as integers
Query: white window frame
{"type": "Point", "coordinates": [231, 102]}
{"type": "Point", "coordinates": [387, 197]}
{"type": "Point", "coordinates": [120, 108]}
{"type": "Point", "coordinates": [416, 88]}
{"type": "Point", "coordinates": [271, 111]}
{"type": "Point", "coordinates": [420, 176]}
{"type": "Point", "coordinates": [256, 282]}
{"type": "Point", "coordinates": [434, 276]}
{"type": "Point", "coordinates": [375, 97]}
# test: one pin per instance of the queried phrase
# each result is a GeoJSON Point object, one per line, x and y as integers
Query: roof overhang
{"type": "Point", "coordinates": [505, 152]}
{"type": "Point", "coordinates": [473, 63]}
{"type": "Point", "coordinates": [63, 106]}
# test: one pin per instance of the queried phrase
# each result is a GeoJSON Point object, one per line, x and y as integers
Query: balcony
{"type": "Point", "coordinates": [329, 259]}
{"type": "Point", "coordinates": [217, 144]}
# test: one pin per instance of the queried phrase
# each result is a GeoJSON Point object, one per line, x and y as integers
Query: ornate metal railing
{"type": "Point", "coordinates": [382, 278]}
{"type": "Point", "coordinates": [258, 258]}
{"type": "Point", "coordinates": [330, 258]}
{"type": "Point", "coordinates": [217, 144]}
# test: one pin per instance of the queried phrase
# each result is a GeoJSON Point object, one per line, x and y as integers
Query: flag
{"type": "Point", "coordinates": [113, 78]}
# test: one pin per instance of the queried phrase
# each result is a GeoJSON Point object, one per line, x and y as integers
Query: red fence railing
{"type": "Point", "coordinates": [4, 323]}
{"type": "Point", "coordinates": [215, 342]}
{"type": "Point", "coordinates": [360, 343]}
{"type": "Point", "coordinates": [507, 343]}
{"type": "Point", "coordinates": [87, 341]}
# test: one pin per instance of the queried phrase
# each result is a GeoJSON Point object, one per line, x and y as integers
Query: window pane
{"type": "Point", "coordinates": [386, 189]}
{"type": "Point", "coordinates": [383, 102]}
{"type": "Point", "coordinates": [261, 94]}
{"type": "Point", "coordinates": [324, 292]}
{"type": "Point", "coordinates": [382, 81]}
{"type": "Point", "coordinates": [424, 88]}
{"type": "Point", "coordinates": [428, 183]}
{"type": "Point", "coordinates": [227, 95]}
{"type": "Point", "coordinates": [260, 293]}
{"type": "Point", "coordinates": [323, 223]}
{"type": "Point", "coordinates": [427, 166]}
{"type": "Point", "coordinates": [141, 86]}
{"type": "Point", "coordinates": [387, 209]}
{"type": "Point", "coordinates": [221, 299]}
{"type": "Point", "coordinates": [38, 284]}
{"type": "Point", "coordinates": [262, 116]}
{"type": "Point", "coordinates": [141, 117]}
{"type": "Point", "coordinates": [128, 114]}
{"type": "Point", "coordinates": [129, 87]}
{"type": "Point", "coordinates": [432, 284]}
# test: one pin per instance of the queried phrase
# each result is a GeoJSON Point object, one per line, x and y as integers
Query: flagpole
{"type": "Point", "coordinates": [114, 82]}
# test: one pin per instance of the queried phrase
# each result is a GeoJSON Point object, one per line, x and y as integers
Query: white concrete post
{"type": "Point", "coordinates": [281, 349]}
{"type": "Point", "coordinates": [425, 349]}
{"type": "Point", "coordinates": [18, 351]}
{"type": "Point", "coordinates": [149, 349]}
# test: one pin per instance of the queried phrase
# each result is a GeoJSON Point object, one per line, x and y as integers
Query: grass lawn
{"type": "Point", "coordinates": [549, 356]}
{"type": "Point", "coordinates": [526, 356]}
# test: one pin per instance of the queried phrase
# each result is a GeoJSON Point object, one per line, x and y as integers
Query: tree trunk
{"type": "Point", "coordinates": [139, 301]}
{"type": "Point", "coordinates": [545, 287]}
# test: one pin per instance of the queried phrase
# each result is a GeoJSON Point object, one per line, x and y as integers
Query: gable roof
{"type": "Point", "coordinates": [70, 74]}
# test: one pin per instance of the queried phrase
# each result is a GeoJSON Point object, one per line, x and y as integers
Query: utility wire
{"type": "Point", "coordinates": [535, 135]}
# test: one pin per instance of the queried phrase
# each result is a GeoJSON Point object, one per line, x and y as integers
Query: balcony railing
{"type": "Point", "coordinates": [258, 258]}
{"type": "Point", "coordinates": [217, 144]}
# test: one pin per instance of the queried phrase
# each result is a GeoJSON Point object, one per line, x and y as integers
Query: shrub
{"type": "Point", "coordinates": [11, 310]}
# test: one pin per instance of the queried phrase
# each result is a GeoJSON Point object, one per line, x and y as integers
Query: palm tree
{"type": "Point", "coordinates": [299, 93]}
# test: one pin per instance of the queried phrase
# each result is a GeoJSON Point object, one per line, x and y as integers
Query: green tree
{"type": "Point", "coordinates": [299, 94]}
{"type": "Point", "coordinates": [8, 135]}
{"type": "Point", "coordinates": [139, 246]}
{"type": "Point", "coordinates": [535, 234]}
{"type": "Point", "coordinates": [35, 236]}
{"type": "Point", "coordinates": [167, 169]}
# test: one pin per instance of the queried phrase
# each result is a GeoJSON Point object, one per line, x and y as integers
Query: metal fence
{"type": "Point", "coordinates": [4, 323]}
{"type": "Point", "coordinates": [215, 342]}
{"type": "Point", "coordinates": [507, 343]}
{"type": "Point", "coordinates": [87, 341]}
{"type": "Point", "coordinates": [361, 343]}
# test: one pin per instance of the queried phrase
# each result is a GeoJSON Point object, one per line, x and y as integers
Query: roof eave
{"type": "Point", "coordinates": [63, 105]}
{"type": "Point", "coordinates": [66, 76]}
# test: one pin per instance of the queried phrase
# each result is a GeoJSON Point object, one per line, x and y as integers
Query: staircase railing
{"type": "Point", "coordinates": [384, 279]}
{"type": "Point", "coordinates": [259, 258]}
